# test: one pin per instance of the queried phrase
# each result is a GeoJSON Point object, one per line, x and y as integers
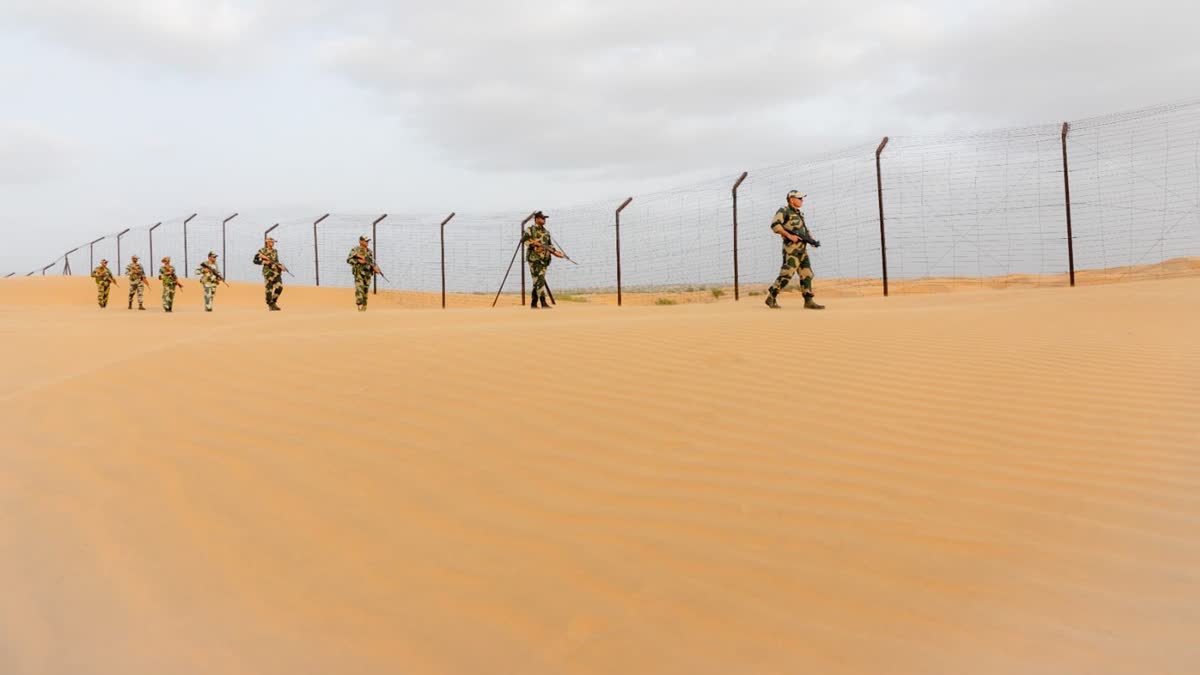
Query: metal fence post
{"type": "Point", "coordinates": [618, 225]}
{"type": "Point", "coordinates": [316, 246]}
{"type": "Point", "coordinates": [443, 232]}
{"type": "Point", "coordinates": [736, 294]}
{"type": "Point", "coordinates": [151, 236]}
{"type": "Point", "coordinates": [92, 254]}
{"type": "Point", "coordinates": [223, 251]}
{"type": "Point", "coordinates": [879, 193]}
{"type": "Point", "coordinates": [67, 261]}
{"type": "Point", "coordinates": [375, 254]}
{"type": "Point", "coordinates": [1067, 199]}
{"type": "Point", "coordinates": [185, 251]}
{"type": "Point", "coordinates": [119, 235]}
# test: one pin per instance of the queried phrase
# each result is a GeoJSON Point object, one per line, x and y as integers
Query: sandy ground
{"type": "Point", "coordinates": [977, 482]}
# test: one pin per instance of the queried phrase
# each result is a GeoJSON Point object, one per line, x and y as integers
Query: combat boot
{"type": "Point", "coordinates": [544, 305]}
{"type": "Point", "coordinates": [130, 304]}
{"type": "Point", "coordinates": [772, 302]}
{"type": "Point", "coordinates": [533, 300]}
{"type": "Point", "coordinates": [273, 307]}
{"type": "Point", "coordinates": [809, 303]}
{"type": "Point", "coordinates": [140, 307]}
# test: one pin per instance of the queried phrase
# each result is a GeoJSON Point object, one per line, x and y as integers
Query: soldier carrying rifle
{"type": "Point", "coordinates": [789, 224]}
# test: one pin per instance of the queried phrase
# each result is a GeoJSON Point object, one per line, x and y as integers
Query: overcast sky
{"type": "Point", "coordinates": [120, 113]}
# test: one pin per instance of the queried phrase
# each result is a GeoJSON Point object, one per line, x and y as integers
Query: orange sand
{"type": "Point", "coordinates": [977, 482]}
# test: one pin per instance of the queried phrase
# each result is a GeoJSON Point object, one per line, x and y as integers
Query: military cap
{"type": "Point", "coordinates": [212, 254]}
{"type": "Point", "coordinates": [270, 239]}
{"type": "Point", "coordinates": [133, 257]}
{"type": "Point", "coordinates": [796, 194]}
{"type": "Point", "coordinates": [166, 259]}
{"type": "Point", "coordinates": [539, 214]}
{"type": "Point", "coordinates": [103, 260]}
{"type": "Point", "coordinates": [364, 238]}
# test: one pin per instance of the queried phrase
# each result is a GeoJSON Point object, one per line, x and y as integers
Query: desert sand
{"type": "Point", "coordinates": [986, 482]}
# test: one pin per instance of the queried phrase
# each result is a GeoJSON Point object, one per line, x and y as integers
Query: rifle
{"type": "Point", "coordinates": [276, 264]}
{"type": "Point", "coordinates": [806, 239]}
{"type": "Point", "coordinates": [214, 273]}
{"type": "Point", "coordinates": [552, 250]}
{"type": "Point", "coordinates": [374, 267]}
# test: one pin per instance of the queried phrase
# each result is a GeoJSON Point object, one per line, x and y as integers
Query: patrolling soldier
{"type": "Point", "coordinates": [170, 281]}
{"type": "Point", "coordinates": [137, 281]}
{"type": "Point", "coordinates": [104, 278]}
{"type": "Point", "coordinates": [789, 224]}
{"type": "Point", "coordinates": [272, 269]}
{"type": "Point", "coordinates": [362, 265]}
{"type": "Point", "coordinates": [210, 276]}
{"type": "Point", "coordinates": [539, 248]}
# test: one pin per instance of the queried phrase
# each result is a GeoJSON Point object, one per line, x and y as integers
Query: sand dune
{"type": "Point", "coordinates": [974, 482]}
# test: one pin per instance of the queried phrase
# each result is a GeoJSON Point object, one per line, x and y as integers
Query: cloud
{"type": "Point", "coordinates": [197, 35]}
{"type": "Point", "coordinates": [30, 154]}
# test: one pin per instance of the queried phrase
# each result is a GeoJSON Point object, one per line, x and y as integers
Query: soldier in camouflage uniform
{"type": "Point", "coordinates": [210, 276]}
{"type": "Point", "coordinates": [539, 248]}
{"type": "Point", "coordinates": [789, 224]}
{"type": "Point", "coordinates": [137, 281]}
{"type": "Point", "coordinates": [272, 269]}
{"type": "Point", "coordinates": [362, 264]}
{"type": "Point", "coordinates": [104, 278]}
{"type": "Point", "coordinates": [170, 281]}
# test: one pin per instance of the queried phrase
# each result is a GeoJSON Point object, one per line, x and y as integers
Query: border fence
{"type": "Point", "coordinates": [1032, 205]}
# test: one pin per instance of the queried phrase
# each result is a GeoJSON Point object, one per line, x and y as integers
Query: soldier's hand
{"type": "Point", "coordinates": [558, 254]}
{"type": "Point", "coordinates": [792, 238]}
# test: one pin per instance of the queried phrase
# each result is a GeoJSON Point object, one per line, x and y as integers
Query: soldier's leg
{"type": "Point", "coordinates": [361, 286]}
{"type": "Point", "coordinates": [267, 291]}
{"type": "Point", "coordinates": [806, 276]}
{"type": "Point", "coordinates": [166, 298]}
{"type": "Point", "coordinates": [209, 291]}
{"type": "Point", "coordinates": [132, 290]}
{"type": "Point", "coordinates": [140, 291]}
{"type": "Point", "coordinates": [100, 296]}
{"type": "Point", "coordinates": [537, 271]}
{"type": "Point", "coordinates": [275, 290]}
{"type": "Point", "coordinates": [791, 263]}
{"type": "Point", "coordinates": [806, 279]}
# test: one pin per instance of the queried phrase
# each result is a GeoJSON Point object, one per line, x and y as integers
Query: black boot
{"type": "Point", "coordinates": [130, 304]}
{"type": "Point", "coordinates": [809, 303]}
{"type": "Point", "coordinates": [533, 300]}
{"type": "Point", "coordinates": [544, 305]}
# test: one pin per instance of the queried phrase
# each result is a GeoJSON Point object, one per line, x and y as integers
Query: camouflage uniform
{"type": "Point", "coordinates": [104, 279]}
{"type": "Point", "coordinates": [137, 282]}
{"type": "Point", "coordinates": [272, 274]}
{"type": "Point", "coordinates": [362, 271]}
{"type": "Point", "coordinates": [166, 274]}
{"type": "Point", "coordinates": [795, 255]}
{"type": "Point", "coordinates": [538, 258]}
{"type": "Point", "coordinates": [210, 276]}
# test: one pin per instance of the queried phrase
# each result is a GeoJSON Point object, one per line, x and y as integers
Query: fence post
{"type": "Point", "coordinates": [67, 261]}
{"type": "Point", "coordinates": [119, 235]}
{"type": "Point", "coordinates": [443, 231]}
{"type": "Point", "coordinates": [10, 274]}
{"type": "Point", "coordinates": [185, 252]}
{"type": "Point", "coordinates": [47, 267]}
{"type": "Point", "coordinates": [316, 246]}
{"type": "Point", "coordinates": [1067, 198]}
{"type": "Point", "coordinates": [375, 254]}
{"type": "Point", "coordinates": [268, 232]}
{"type": "Point", "coordinates": [618, 223]}
{"type": "Point", "coordinates": [151, 234]}
{"type": "Point", "coordinates": [522, 234]}
{"type": "Point", "coordinates": [223, 252]}
{"type": "Point", "coordinates": [736, 294]}
{"type": "Point", "coordinates": [882, 232]}
{"type": "Point", "coordinates": [92, 254]}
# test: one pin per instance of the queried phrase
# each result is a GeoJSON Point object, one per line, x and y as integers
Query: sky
{"type": "Point", "coordinates": [121, 113]}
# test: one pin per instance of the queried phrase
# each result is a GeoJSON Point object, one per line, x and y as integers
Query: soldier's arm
{"type": "Point", "coordinates": [258, 258]}
{"type": "Point", "coordinates": [777, 226]}
{"type": "Point", "coordinates": [352, 259]}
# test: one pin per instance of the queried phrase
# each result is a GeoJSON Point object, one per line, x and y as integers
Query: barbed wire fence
{"type": "Point", "coordinates": [904, 214]}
